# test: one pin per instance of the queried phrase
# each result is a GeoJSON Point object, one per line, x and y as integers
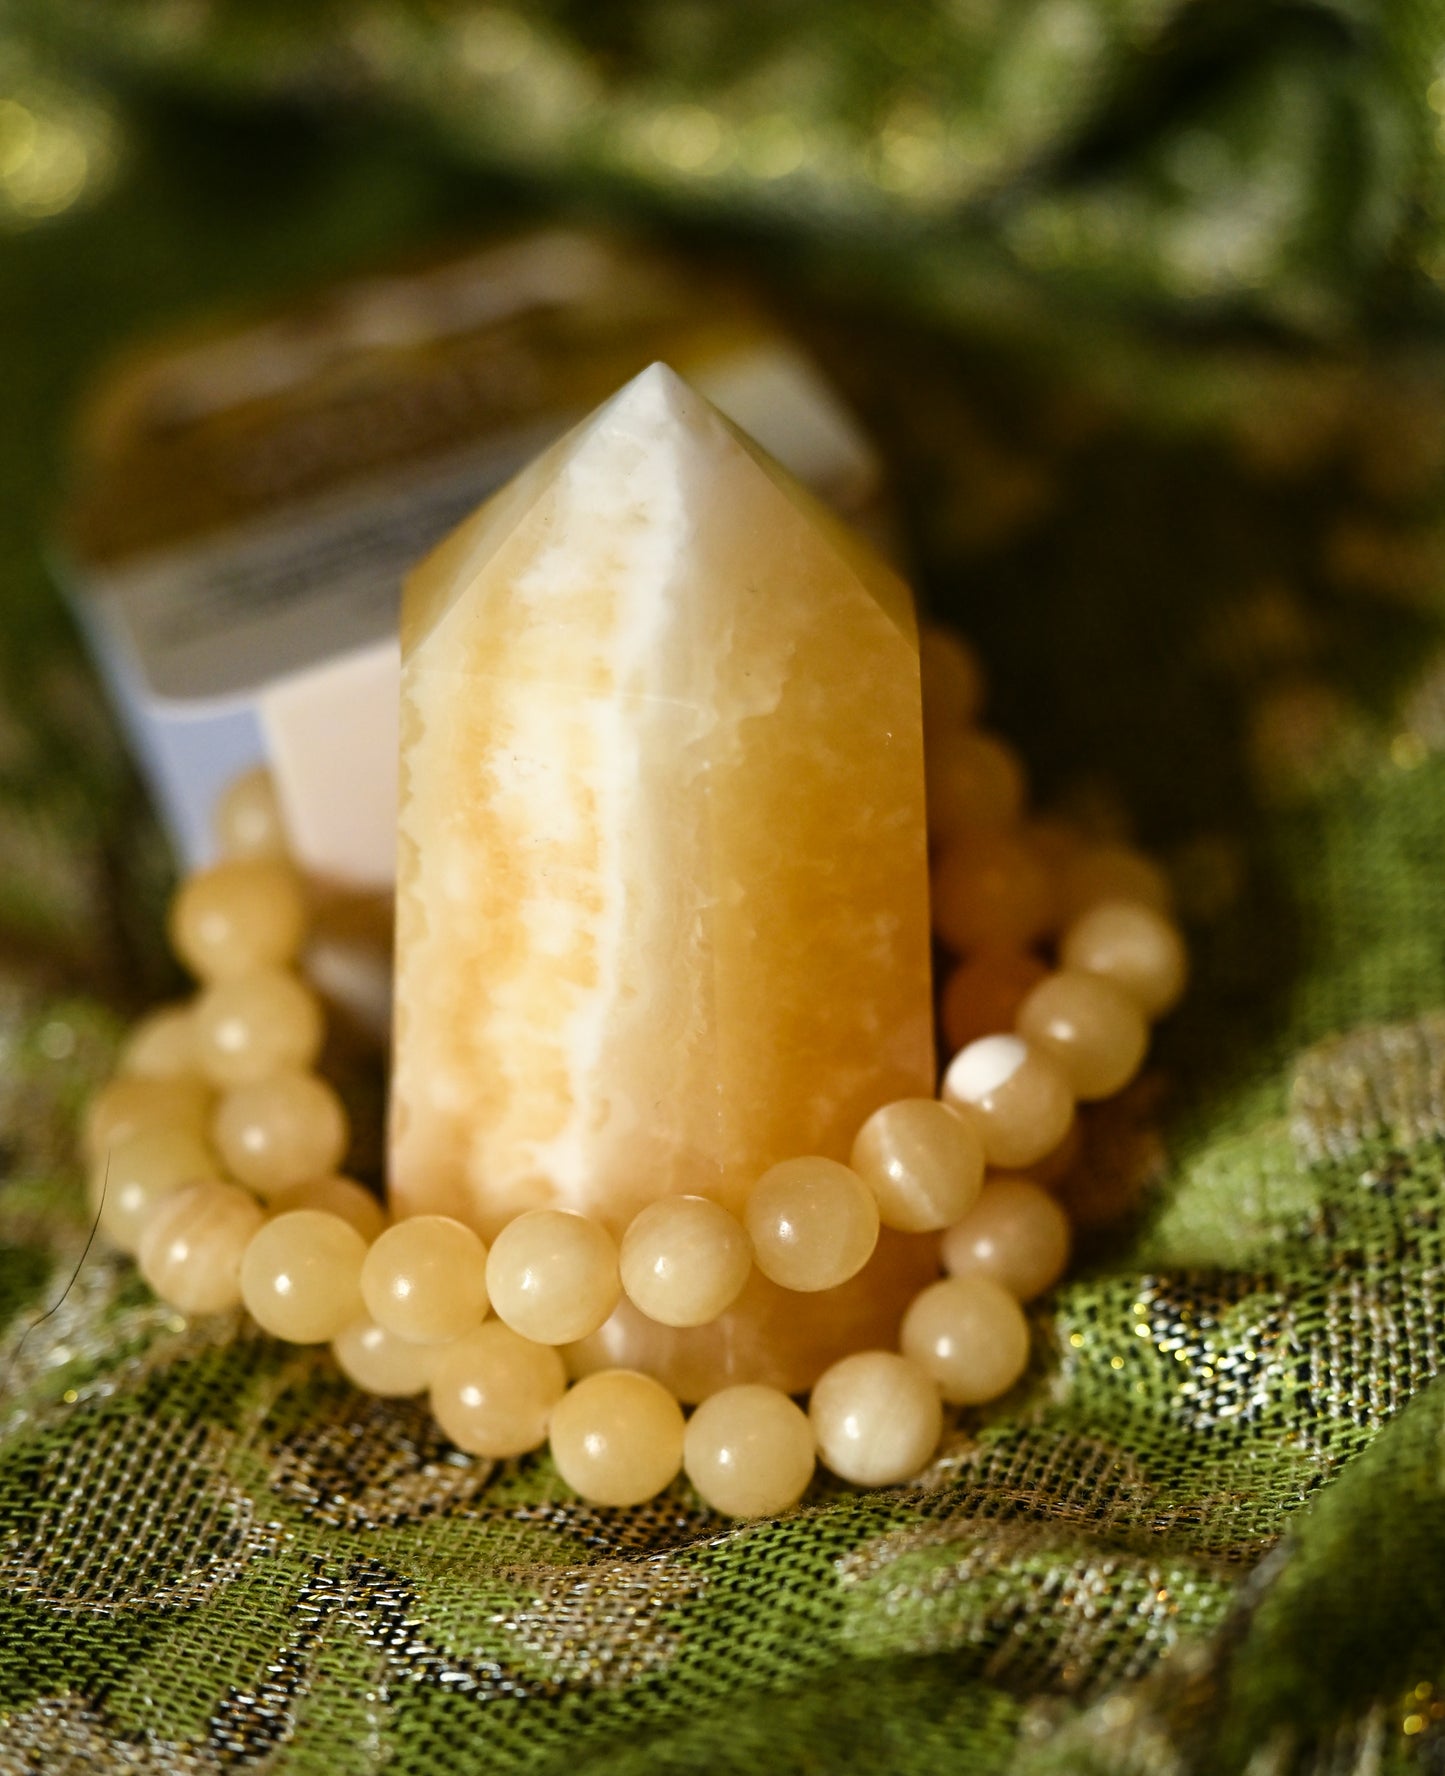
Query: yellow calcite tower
{"type": "Point", "coordinates": [662, 906]}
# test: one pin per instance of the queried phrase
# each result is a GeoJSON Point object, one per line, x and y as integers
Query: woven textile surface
{"type": "Point", "coordinates": [1140, 298]}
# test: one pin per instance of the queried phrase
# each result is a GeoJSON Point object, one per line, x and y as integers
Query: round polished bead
{"type": "Point", "coordinates": [749, 1451]}
{"type": "Point", "coordinates": [1112, 872]}
{"type": "Point", "coordinates": [813, 1223]}
{"type": "Point", "coordinates": [616, 1437]}
{"type": "Point", "coordinates": [972, 780]}
{"type": "Point", "coordinates": [922, 1161]}
{"type": "Point", "coordinates": [952, 679]}
{"type": "Point", "coordinates": [353, 1202]}
{"type": "Point", "coordinates": [136, 1173]}
{"type": "Point", "coordinates": [970, 1335]}
{"type": "Point", "coordinates": [493, 1391]}
{"type": "Point", "coordinates": [877, 1418]}
{"type": "Point", "coordinates": [281, 1131]}
{"type": "Point", "coordinates": [425, 1279]}
{"type": "Point", "coordinates": [1059, 1162]}
{"type": "Point", "coordinates": [1133, 946]}
{"type": "Point", "coordinates": [162, 1045]}
{"type": "Point", "coordinates": [1091, 1027]}
{"type": "Point", "coordinates": [247, 819]}
{"type": "Point", "coordinates": [1015, 1234]}
{"type": "Point", "coordinates": [1018, 1099]}
{"type": "Point", "coordinates": [237, 917]}
{"type": "Point", "coordinates": [301, 1276]}
{"type": "Point", "coordinates": [684, 1260]}
{"type": "Point", "coordinates": [380, 1363]}
{"type": "Point", "coordinates": [191, 1250]}
{"type": "Point", "coordinates": [990, 892]}
{"type": "Point", "coordinates": [553, 1275]}
{"type": "Point", "coordinates": [126, 1106]}
{"type": "Point", "coordinates": [984, 994]}
{"type": "Point", "coordinates": [255, 1025]}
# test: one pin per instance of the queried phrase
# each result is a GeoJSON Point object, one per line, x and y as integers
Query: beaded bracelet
{"type": "Point", "coordinates": [214, 1158]}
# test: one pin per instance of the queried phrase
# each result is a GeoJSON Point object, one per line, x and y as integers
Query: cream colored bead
{"type": "Point", "coordinates": [1017, 1098]}
{"type": "Point", "coordinates": [126, 1106]}
{"type": "Point", "coordinates": [1060, 1161]}
{"type": "Point", "coordinates": [191, 1250]}
{"type": "Point", "coordinates": [282, 1131]}
{"type": "Point", "coordinates": [425, 1279]}
{"type": "Point", "coordinates": [684, 1260]}
{"type": "Point", "coordinates": [1112, 872]}
{"type": "Point", "coordinates": [990, 892]}
{"type": "Point", "coordinates": [749, 1451]}
{"type": "Point", "coordinates": [922, 1161]}
{"type": "Point", "coordinates": [237, 917]}
{"type": "Point", "coordinates": [972, 780]}
{"type": "Point", "coordinates": [1015, 1234]}
{"type": "Point", "coordinates": [136, 1173]}
{"type": "Point", "coordinates": [493, 1391]}
{"type": "Point", "coordinates": [162, 1045]}
{"type": "Point", "coordinates": [353, 1202]}
{"type": "Point", "coordinates": [970, 1335]}
{"type": "Point", "coordinates": [248, 821]}
{"type": "Point", "coordinates": [1092, 1028]}
{"type": "Point", "coordinates": [877, 1418]}
{"type": "Point", "coordinates": [813, 1223]}
{"type": "Point", "coordinates": [553, 1275]}
{"type": "Point", "coordinates": [1133, 946]}
{"type": "Point", "coordinates": [983, 995]}
{"type": "Point", "coordinates": [380, 1363]}
{"type": "Point", "coordinates": [301, 1276]}
{"type": "Point", "coordinates": [952, 679]}
{"type": "Point", "coordinates": [255, 1025]}
{"type": "Point", "coordinates": [617, 1437]}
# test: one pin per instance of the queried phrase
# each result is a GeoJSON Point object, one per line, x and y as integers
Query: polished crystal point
{"type": "Point", "coordinates": [662, 911]}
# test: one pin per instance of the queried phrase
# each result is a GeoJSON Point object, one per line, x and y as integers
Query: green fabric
{"type": "Point", "coordinates": [1139, 300]}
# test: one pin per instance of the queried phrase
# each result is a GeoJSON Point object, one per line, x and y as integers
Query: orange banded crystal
{"type": "Point", "coordinates": [662, 902]}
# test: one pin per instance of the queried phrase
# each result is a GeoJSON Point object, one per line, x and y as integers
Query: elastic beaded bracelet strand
{"type": "Point", "coordinates": [215, 1157]}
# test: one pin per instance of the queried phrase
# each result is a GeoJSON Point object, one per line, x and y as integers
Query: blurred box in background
{"type": "Point", "coordinates": [246, 505]}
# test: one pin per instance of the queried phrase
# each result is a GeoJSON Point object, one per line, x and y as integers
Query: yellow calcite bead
{"type": "Point", "coordinates": [624, 680]}
{"type": "Point", "coordinates": [1112, 872]}
{"type": "Point", "coordinates": [248, 820]}
{"type": "Point", "coordinates": [1015, 1234]}
{"type": "Point", "coordinates": [191, 1250]}
{"type": "Point", "coordinates": [922, 1161]}
{"type": "Point", "coordinates": [493, 1391]}
{"type": "Point", "coordinates": [285, 1130]}
{"type": "Point", "coordinates": [353, 1202]}
{"type": "Point", "coordinates": [255, 1025]}
{"type": "Point", "coordinates": [983, 995]}
{"type": "Point", "coordinates": [380, 1363]}
{"type": "Point", "coordinates": [990, 892]}
{"type": "Point", "coordinates": [970, 1335]}
{"type": "Point", "coordinates": [1133, 946]}
{"type": "Point", "coordinates": [425, 1279]}
{"type": "Point", "coordinates": [553, 1276]}
{"type": "Point", "coordinates": [1018, 1099]}
{"type": "Point", "coordinates": [952, 679]}
{"type": "Point", "coordinates": [616, 1438]}
{"type": "Point", "coordinates": [301, 1276]}
{"type": "Point", "coordinates": [684, 1261]}
{"type": "Point", "coordinates": [877, 1418]}
{"type": "Point", "coordinates": [138, 1172]}
{"type": "Point", "coordinates": [237, 917]}
{"type": "Point", "coordinates": [1094, 1029]}
{"type": "Point", "coordinates": [126, 1106]}
{"type": "Point", "coordinates": [749, 1451]}
{"type": "Point", "coordinates": [813, 1224]}
{"type": "Point", "coordinates": [162, 1045]}
{"type": "Point", "coordinates": [975, 781]}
